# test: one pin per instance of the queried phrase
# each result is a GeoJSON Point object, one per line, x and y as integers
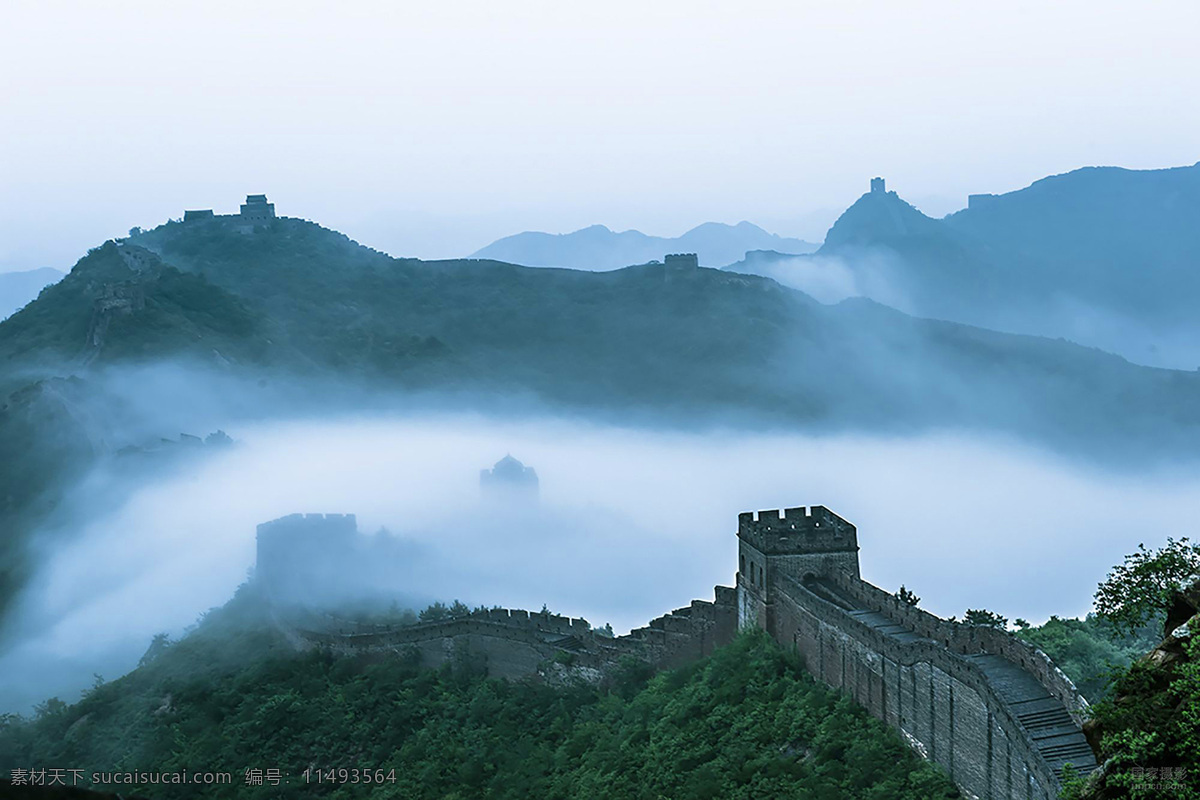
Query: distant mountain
{"type": "Point", "coordinates": [296, 299]}
{"type": "Point", "coordinates": [1104, 256]}
{"type": "Point", "coordinates": [214, 320]}
{"type": "Point", "coordinates": [1109, 235]}
{"type": "Point", "coordinates": [18, 288]}
{"type": "Point", "coordinates": [598, 248]}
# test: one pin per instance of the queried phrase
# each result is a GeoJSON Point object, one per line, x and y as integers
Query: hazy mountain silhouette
{"type": "Point", "coordinates": [18, 288]}
{"type": "Point", "coordinates": [294, 318]}
{"type": "Point", "coordinates": [1102, 255]}
{"type": "Point", "coordinates": [598, 248]}
{"type": "Point", "coordinates": [295, 298]}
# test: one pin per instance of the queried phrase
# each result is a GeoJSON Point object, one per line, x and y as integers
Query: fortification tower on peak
{"type": "Point", "coordinates": [256, 207]}
{"type": "Point", "coordinates": [878, 186]}
{"type": "Point", "coordinates": [991, 709]}
{"type": "Point", "coordinates": [681, 261]}
{"type": "Point", "coordinates": [978, 201]}
{"type": "Point", "coordinates": [800, 543]}
{"type": "Point", "coordinates": [293, 551]}
{"type": "Point", "coordinates": [680, 266]}
{"type": "Point", "coordinates": [509, 481]}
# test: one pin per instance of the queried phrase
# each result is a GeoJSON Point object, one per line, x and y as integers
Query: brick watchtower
{"type": "Point", "coordinates": [799, 543]}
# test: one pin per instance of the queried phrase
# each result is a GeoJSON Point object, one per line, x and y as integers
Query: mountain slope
{"type": "Point", "coordinates": [299, 318]}
{"type": "Point", "coordinates": [598, 248]}
{"type": "Point", "coordinates": [747, 721]}
{"type": "Point", "coordinates": [18, 288]}
{"type": "Point", "coordinates": [1108, 234]}
{"type": "Point", "coordinates": [122, 302]}
{"type": "Point", "coordinates": [1104, 256]}
{"type": "Point", "coordinates": [937, 268]}
{"type": "Point", "coordinates": [296, 298]}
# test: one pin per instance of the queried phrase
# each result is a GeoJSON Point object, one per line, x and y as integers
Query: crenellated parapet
{"type": "Point", "coordinates": [255, 210]}
{"type": "Point", "coordinates": [992, 710]}
{"type": "Point", "coordinates": [797, 530]}
{"type": "Point", "coordinates": [516, 643]}
{"type": "Point", "coordinates": [963, 639]}
{"type": "Point", "coordinates": [797, 542]}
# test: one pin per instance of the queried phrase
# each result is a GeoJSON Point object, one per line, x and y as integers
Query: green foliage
{"type": "Point", "coordinates": [981, 616]}
{"type": "Point", "coordinates": [908, 596]}
{"type": "Point", "coordinates": [439, 611]}
{"type": "Point", "coordinates": [1150, 722]}
{"type": "Point", "coordinates": [106, 310]}
{"type": "Point", "coordinates": [747, 722]}
{"type": "Point", "coordinates": [1090, 651]}
{"type": "Point", "coordinates": [1142, 588]}
{"type": "Point", "coordinates": [158, 646]}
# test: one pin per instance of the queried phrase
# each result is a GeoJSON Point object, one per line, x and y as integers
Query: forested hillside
{"type": "Point", "coordinates": [295, 299]}
{"type": "Point", "coordinates": [747, 722]}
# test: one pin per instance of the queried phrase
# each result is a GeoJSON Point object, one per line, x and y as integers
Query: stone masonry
{"type": "Point", "coordinates": [992, 710]}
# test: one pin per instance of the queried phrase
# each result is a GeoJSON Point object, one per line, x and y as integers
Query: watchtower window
{"type": "Point", "coordinates": [742, 564]}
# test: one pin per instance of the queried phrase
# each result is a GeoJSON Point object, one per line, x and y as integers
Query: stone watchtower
{"type": "Point", "coordinates": [799, 544]}
{"type": "Point", "coordinates": [680, 266]}
{"type": "Point", "coordinates": [878, 186]}
{"type": "Point", "coordinates": [256, 207]}
{"type": "Point", "coordinates": [299, 552]}
{"type": "Point", "coordinates": [509, 481]}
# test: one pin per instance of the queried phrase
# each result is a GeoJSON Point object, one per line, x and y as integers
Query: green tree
{"type": "Point", "coordinates": [981, 616]}
{"type": "Point", "coordinates": [1143, 587]}
{"type": "Point", "coordinates": [158, 645]}
{"type": "Point", "coordinates": [435, 613]}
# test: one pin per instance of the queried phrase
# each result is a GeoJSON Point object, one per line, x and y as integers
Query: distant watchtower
{"type": "Point", "coordinates": [978, 201]}
{"type": "Point", "coordinates": [800, 543]}
{"type": "Point", "coordinates": [256, 207]}
{"type": "Point", "coordinates": [509, 480]}
{"type": "Point", "coordinates": [295, 551]}
{"type": "Point", "coordinates": [878, 186]}
{"type": "Point", "coordinates": [678, 266]}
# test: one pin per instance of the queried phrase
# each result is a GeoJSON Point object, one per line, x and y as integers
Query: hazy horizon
{"type": "Point", "coordinates": [432, 131]}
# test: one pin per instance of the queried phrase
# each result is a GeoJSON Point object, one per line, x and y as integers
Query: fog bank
{"type": "Point", "coordinates": [631, 524]}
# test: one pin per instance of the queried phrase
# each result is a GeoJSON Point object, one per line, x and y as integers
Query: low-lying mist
{"type": "Point", "coordinates": [631, 523]}
{"type": "Point", "coordinates": [1152, 340]}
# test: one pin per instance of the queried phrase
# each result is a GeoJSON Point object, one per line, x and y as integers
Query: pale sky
{"type": "Point", "coordinates": [432, 128]}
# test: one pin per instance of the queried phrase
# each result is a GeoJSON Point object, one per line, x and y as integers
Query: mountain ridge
{"type": "Point", "coordinates": [19, 288]}
{"type": "Point", "coordinates": [1102, 255]}
{"type": "Point", "coordinates": [296, 297]}
{"type": "Point", "coordinates": [598, 247]}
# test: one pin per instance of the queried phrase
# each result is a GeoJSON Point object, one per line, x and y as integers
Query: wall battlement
{"type": "Point", "coordinates": [991, 709]}
{"type": "Point", "coordinates": [256, 209]}
{"type": "Point", "coordinates": [977, 201]}
{"type": "Point", "coordinates": [681, 261]}
{"type": "Point", "coordinates": [514, 643]}
{"type": "Point", "coordinates": [803, 528]}
{"type": "Point", "coordinates": [324, 522]}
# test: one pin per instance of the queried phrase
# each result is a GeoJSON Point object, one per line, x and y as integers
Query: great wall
{"type": "Point", "coordinates": [993, 711]}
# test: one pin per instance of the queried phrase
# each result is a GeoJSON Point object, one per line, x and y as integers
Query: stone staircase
{"type": "Point", "coordinates": [1056, 736]}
